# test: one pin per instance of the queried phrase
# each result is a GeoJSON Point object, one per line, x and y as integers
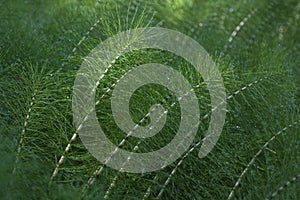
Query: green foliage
{"type": "Point", "coordinates": [255, 45]}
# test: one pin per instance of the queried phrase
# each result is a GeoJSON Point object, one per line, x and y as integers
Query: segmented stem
{"type": "Point", "coordinates": [256, 155]}
{"type": "Point", "coordinates": [200, 142]}
{"type": "Point", "coordinates": [24, 130]}
{"type": "Point", "coordinates": [74, 136]}
{"type": "Point", "coordinates": [282, 187]}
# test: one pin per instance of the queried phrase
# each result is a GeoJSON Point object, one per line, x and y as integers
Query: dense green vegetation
{"type": "Point", "coordinates": [255, 45]}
